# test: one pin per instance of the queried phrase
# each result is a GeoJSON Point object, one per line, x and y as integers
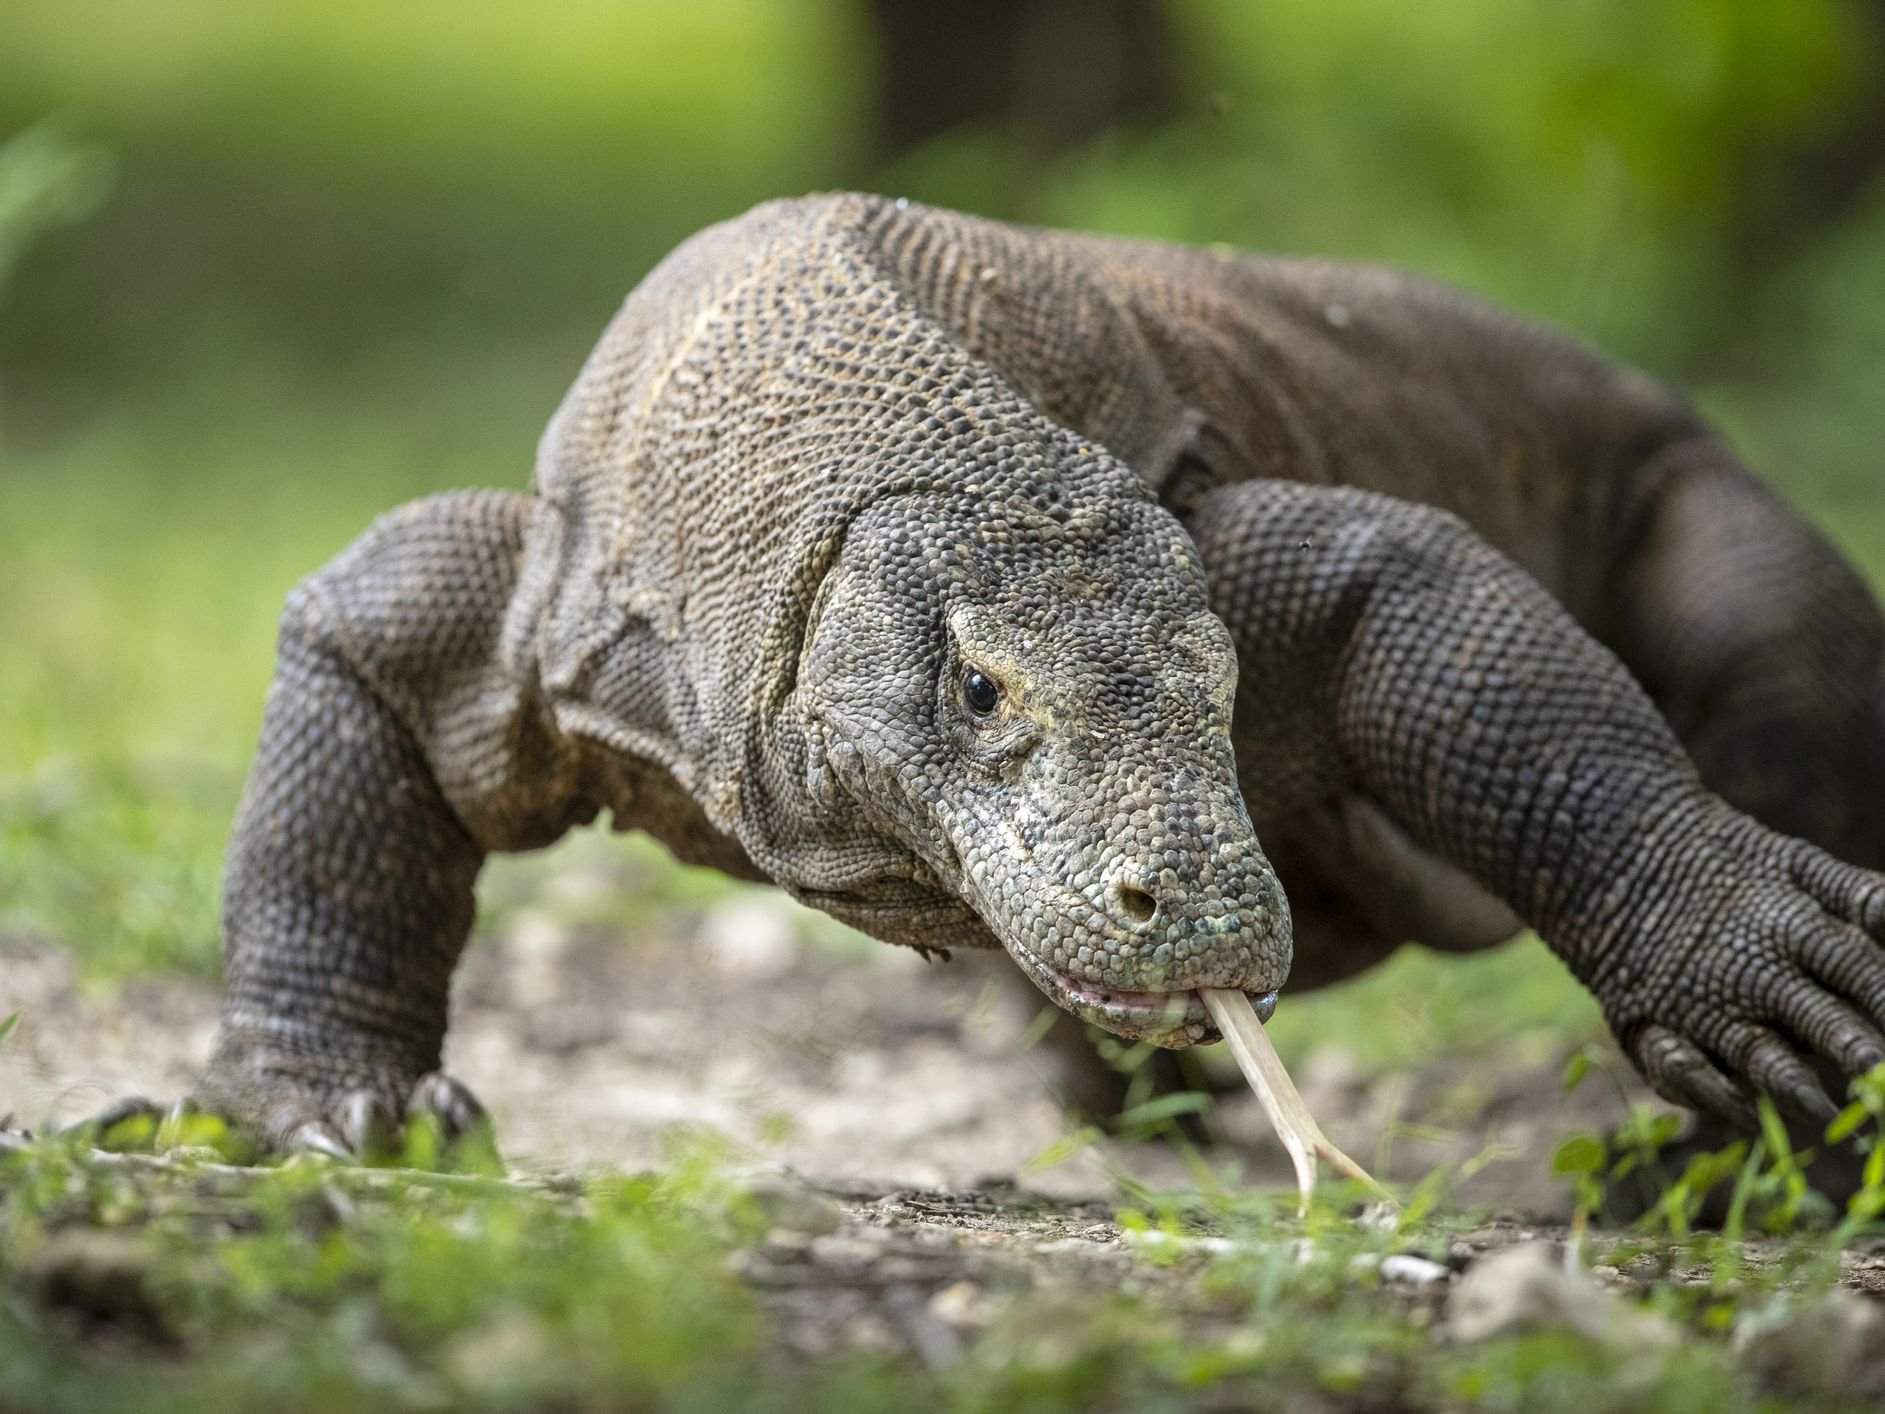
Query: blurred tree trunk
{"type": "Point", "coordinates": [1805, 192]}
{"type": "Point", "coordinates": [1839, 171]}
{"type": "Point", "coordinates": [1054, 73]}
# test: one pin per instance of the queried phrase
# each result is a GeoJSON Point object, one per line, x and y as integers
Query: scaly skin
{"type": "Point", "coordinates": [908, 560]}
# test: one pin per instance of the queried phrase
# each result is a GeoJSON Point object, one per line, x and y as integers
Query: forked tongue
{"type": "Point", "coordinates": [1295, 1126]}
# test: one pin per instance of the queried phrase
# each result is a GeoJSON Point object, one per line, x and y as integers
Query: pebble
{"type": "Point", "coordinates": [1413, 1271]}
{"type": "Point", "coordinates": [1829, 1346]}
{"type": "Point", "coordinates": [1530, 1287]}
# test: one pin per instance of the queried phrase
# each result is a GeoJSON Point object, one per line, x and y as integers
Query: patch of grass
{"type": "Point", "coordinates": [309, 1290]}
{"type": "Point", "coordinates": [119, 861]}
{"type": "Point", "coordinates": [145, 1284]}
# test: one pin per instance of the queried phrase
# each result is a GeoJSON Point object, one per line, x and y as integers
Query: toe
{"type": "Point", "coordinates": [448, 1101]}
{"type": "Point", "coordinates": [318, 1137]}
{"type": "Point", "coordinates": [1831, 1028]}
{"type": "Point", "coordinates": [1848, 962]}
{"type": "Point", "coordinates": [1777, 1069]}
{"type": "Point", "coordinates": [1843, 890]}
{"type": "Point", "coordinates": [1681, 1072]}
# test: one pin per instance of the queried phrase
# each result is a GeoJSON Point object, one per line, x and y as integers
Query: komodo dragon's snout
{"type": "Point", "coordinates": [1035, 699]}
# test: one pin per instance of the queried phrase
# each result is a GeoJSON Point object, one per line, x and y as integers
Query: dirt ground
{"type": "Point", "coordinates": [917, 1214]}
{"type": "Point", "coordinates": [849, 1065]}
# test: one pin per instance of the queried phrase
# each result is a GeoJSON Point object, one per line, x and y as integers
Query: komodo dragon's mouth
{"type": "Point", "coordinates": [1176, 1018]}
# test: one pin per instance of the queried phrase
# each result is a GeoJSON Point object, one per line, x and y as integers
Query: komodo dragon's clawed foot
{"type": "Point", "coordinates": [355, 1124]}
{"type": "Point", "coordinates": [1782, 971]}
{"type": "Point", "coordinates": [363, 1122]}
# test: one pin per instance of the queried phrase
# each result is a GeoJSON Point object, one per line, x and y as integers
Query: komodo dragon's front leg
{"type": "Point", "coordinates": [400, 744]}
{"type": "Point", "coordinates": [1406, 662]}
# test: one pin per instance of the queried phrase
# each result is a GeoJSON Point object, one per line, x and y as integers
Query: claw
{"type": "Point", "coordinates": [315, 1137]}
{"type": "Point", "coordinates": [1776, 1069]}
{"type": "Point", "coordinates": [1773, 1066]}
{"type": "Point", "coordinates": [370, 1129]}
{"type": "Point", "coordinates": [1682, 1074]}
{"type": "Point", "coordinates": [448, 1101]}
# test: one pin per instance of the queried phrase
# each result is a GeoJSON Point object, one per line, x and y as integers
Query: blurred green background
{"type": "Point", "coordinates": [266, 270]}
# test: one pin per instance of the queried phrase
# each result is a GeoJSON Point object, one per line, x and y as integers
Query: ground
{"type": "Point", "coordinates": [841, 1059]}
{"type": "Point", "coordinates": [309, 301]}
{"type": "Point", "coordinates": [756, 1161]}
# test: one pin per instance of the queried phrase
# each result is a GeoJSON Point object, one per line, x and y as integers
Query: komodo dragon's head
{"type": "Point", "coordinates": [1029, 691]}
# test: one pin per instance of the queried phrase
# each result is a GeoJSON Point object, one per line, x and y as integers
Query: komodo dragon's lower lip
{"type": "Point", "coordinates": [1183, 1008]}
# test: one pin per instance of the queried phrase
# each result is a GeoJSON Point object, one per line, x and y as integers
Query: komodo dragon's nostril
{"type": "Point", "coordinates": [1131, 904]}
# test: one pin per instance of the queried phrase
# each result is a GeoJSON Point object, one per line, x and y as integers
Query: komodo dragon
{"type": "Point", "coordinates": [988, 586]}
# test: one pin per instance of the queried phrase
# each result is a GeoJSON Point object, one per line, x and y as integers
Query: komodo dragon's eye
{"type": "Point", "coordinates": [980, 693]}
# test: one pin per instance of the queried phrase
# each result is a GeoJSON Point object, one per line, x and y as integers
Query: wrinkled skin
{"type": "Point", "coordinates": [984, 586]}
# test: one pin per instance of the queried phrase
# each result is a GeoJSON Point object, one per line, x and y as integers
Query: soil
{"type": "Point", "coordinates": [848, 1064]}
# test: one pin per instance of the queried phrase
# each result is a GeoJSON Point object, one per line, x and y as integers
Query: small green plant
{"type": "Point", "coordinates": [1770, 1190]}
{"type": "Point", "coordinates": [1864, 1207]}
